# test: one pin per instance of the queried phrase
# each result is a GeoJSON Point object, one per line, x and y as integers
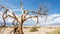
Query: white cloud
{"type": "Point", "coordinates": [53, 18]}
{"type": "Point", "coordinates": [15, 9]}
{"type": "Point", "coordinates": [56, 20]}
{"type": "Point", "coordinates": [1, 19]}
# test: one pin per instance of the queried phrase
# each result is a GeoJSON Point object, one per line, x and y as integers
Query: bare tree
{"type": "Point", "coordinates": [3, 16]}
{"type": "Point", "coordinates": [23, 17]}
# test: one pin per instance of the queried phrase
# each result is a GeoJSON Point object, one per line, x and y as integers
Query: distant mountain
{"type": "Point", "coordinates": [27, 25]}
{"type": "Point", "coordinates": [54, 24]}
{"type": "Point", "coordinates": [44, 24]}
{"type": "Point", "coordinates": [7, 24]}
{"type": "Point", "coordinates": [1, 23]}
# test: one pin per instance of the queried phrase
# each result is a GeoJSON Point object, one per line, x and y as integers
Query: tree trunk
{"type": "Point", "coordinates": [21, 29]}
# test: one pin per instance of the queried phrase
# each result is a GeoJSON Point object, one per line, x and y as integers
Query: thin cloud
{"type": "Point", "coordinates": [53, 18]}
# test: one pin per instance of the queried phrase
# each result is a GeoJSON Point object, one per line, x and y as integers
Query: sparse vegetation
{"type": "Point", "coordinates": [57, 31]}
{"type": "Point", "coordinates": [33, 29]}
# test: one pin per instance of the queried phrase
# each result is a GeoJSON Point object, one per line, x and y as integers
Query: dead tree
{"type": "Point", "coordinates": [24, 17]}
{"type": "Point", "coordinates": [3, 16]}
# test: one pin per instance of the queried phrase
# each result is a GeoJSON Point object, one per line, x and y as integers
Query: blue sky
{"type": "Point", "coordinates": [52, 5]}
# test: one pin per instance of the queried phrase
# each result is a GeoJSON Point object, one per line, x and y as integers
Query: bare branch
{"type": "Point", "coordinates": [5, 13]}
{"type": "Point", "coordinates": [9, 16]}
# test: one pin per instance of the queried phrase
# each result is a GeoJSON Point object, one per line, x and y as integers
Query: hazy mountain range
{"type": "Point", "coordinates": [52, 24]}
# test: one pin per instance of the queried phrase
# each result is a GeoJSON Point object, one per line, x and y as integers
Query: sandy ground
{"type": "Point", "coordinates": [26, 31]}
{"type": "Point", "coordinates": [6, 31]}
{"type": "Point", "coordinates": [40, 31]}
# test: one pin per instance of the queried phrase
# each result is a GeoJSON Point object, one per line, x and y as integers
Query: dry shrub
{"type": "Point", "coordinates": [34, 29]}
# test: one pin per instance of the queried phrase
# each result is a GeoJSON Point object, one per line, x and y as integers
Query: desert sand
{"type": "Point", "coordinates": [41, 30]}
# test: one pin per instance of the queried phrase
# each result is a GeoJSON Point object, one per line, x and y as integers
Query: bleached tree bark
{"type": "Point", "coordinates": [23, 18]}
